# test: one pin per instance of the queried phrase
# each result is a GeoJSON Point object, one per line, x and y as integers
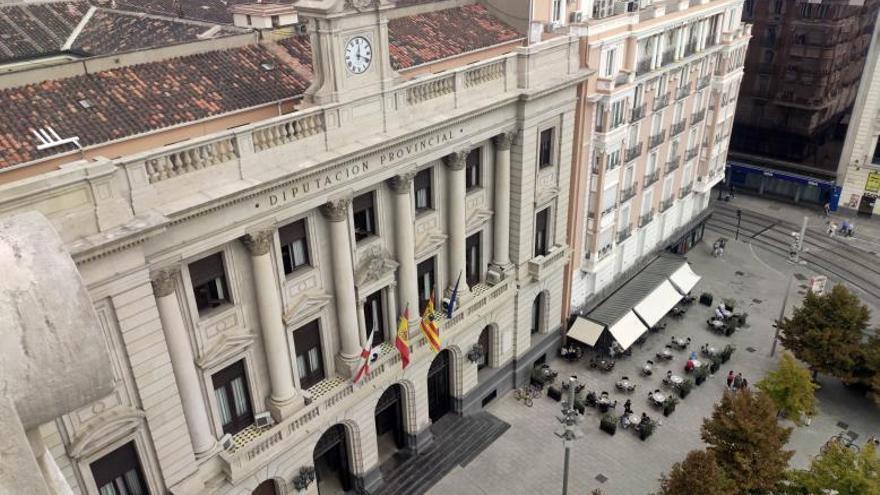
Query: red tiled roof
{"type": "Point", "coordinates": [423, 38]}
{"type": "Point", "coordinates": [300, 48]}
{"type": "Point", "coordinates": [131, 100]}
{"type": "Point", "coordinates": [201, 10]}
{"type": "Point", "coordinates": [33, 30]}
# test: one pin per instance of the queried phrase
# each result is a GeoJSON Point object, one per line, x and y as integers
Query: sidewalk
{"type": "Point", "coordinates": [867, 230]}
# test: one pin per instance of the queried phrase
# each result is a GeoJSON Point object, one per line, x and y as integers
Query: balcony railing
{"type": "Point", "coordinates": [656, 139]}
{"type": "Point", "coordinates": [698, 116]}
{"type": "Point", "coordinates": [704, 81]}
{"type": "Point", "coordinates": [666, 204]}
{"type": "Point", "coordinates": [621, 78]}
{"type": "Point", "coordinates": [608, 211]}
{"type": "Point", "coordinates": [633, 152]}
{"type": "Point", "coordinates": [611, 165]}
{"type": "Point", "coordinates": [628, 193]}
{"type": "Point", "coordinates": [646, 218]}
{"type": "Point", "coordinates": [624, 233]}
{"type": "Point", "coordinates": [643, 67]}
{"type": "Point", "coordinates": [685, 190]}
{"type": "Point", "coordinates": [690, 48]}
{"type": "Point", "coordinates": [682, 92]}
{"type": "Point", "coordinates": [650, 178]}
{"type": "Point", "coordinates": [603, 252]}
{"type": "Point", "coordinates": [668, 56]}
{"type": "Point", "coordinates": [692, 153]}
{"type": "Point", "coordinates": [539, 266]}
{"type": "Point", "coordinates": [638, 113]}
{"type": "Point", "coordinates": [673, 164]}
{"type": "Point", "coordinates": [661, 101]}
{"type": "Point", "coordinates": [678, 127]}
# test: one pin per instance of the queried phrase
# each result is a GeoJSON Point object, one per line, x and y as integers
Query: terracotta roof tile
{"type": "Point", "coordinates": [201, 10]}
{"type": "Point", "coordinates": [132, 100]}
{"type": "Point", "coordinates": [423, 38]}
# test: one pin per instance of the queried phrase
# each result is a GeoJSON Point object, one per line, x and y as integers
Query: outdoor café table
{"type": "Point", "coordinates": [658, 397]}
{"type": "Point", "coordinates": [624, 383]}
{"type": "Point", "coordinates": [710, 351]}
{"type": "Point", "coordinates": [675, 380]}
{"type": "Point", "coordinates": [632, 419]}
{"type": "Point", "coordinates": [697, 363]}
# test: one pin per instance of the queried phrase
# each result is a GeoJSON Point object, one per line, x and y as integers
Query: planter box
{"type": "Point", "coordinates": [610, 429]}
{"type": "Point", "coordinates": [700, 379]}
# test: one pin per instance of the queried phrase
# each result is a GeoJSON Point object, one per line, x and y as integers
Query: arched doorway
{"type": "Point", "coordinates": [332, 467]}
{"type": "Point", "coordinates": [389, 422]}
{"type": "Point", "coordinates": [265, 488]}
{"type": "Point", "coordinates": [440, 386]}
{"type": "Point", "coordinates": [485, 343]}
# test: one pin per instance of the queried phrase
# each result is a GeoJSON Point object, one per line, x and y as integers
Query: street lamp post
{"type": "Point", "coordinates": [569, 432]}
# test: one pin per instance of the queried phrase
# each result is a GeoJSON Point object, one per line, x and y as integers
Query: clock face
{"type": "Point", "coordinates": [358, 55]}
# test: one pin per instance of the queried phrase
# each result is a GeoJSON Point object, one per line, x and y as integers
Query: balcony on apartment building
{"type": "Point", "coordinates": [607, 124]}
{"type": "Point", "coordinates": [638, 112]}
{"type": "Point", "coordinates": [666, 204]}
{"type": "Point", "coordinates": [685, 191]}
{"type": "Point", "coordinates": [603, 252]}
{"type": "Point", "coordinates": [704, 81]}
{"type": "Point", "coordinates": [624, 233]}
{"type": "Point", "coordinates": [633, 152]}
{"type": "Point", "coordinates": [609, 210]}
{"type": "Point", "coordinates": [673, 164]}
{"type": "Point", "coordinates": [669, 56]}
{"type": "Point", "coordinates": [603, 9]}
{"type": "Point", "coordinates": [692, 153]}
{"type": "Point", "coordinates": [690, 48]}
{"type": "Point", "coordinates": [720, 137]}
{"type": "Point", "coordinates": [646, 218]}
{"type": "Point", "coordinates": [627, 194]}
{"type": "Point", "coordinates": [678, 128]}
{"type": "Point", "coordinates": [698, 117]}
{"type": "Point", "coordinates": [661, 101]}
{"type": "Point", "coordinates": [656, 139]}
{"type": "Point", "coordinates": [650, 179]}
{"type": "Point", "coordinates": [683, 92]}
{"type": "Point", "coordinates": [607, 84]}
{"type": "Point", "coordinates": [643, 67]}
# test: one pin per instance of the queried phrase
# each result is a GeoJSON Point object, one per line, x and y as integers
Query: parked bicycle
{"type": "Point", "coordinates": [527, 394]}
{"type": "Point", "coordinates": [840, 439]}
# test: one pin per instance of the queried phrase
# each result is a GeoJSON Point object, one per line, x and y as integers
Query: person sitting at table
{"type": "Point", "coordinates": [627, 407]}
{"type": "Point", "coordinates": [689, 366]}
{"type": "Point", "coordinates": [645, 418]}
{"type": "Point", "coordinates": [693, 355]}
{"type": "Point", "coordinates": [668, 376]}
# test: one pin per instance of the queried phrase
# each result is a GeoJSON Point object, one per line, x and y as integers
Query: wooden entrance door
{"type": "Point", "coordinates": [439, 397]}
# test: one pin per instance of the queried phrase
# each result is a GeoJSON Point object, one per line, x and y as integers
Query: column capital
{"type": "Point", "coordinates": [336, 210]}
{"type": "Point", "coordinates": [457, 159]}
{"type": "Point", "coordinates": [163, 281]}
{"type": "Point", "coordinates": [504, 140]}
{"type": "Point", "coordinates": [401, 184]}
{"type": "Point", "coordinates": [260, 242]}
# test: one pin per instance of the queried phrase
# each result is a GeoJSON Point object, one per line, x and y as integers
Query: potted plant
{"type": "Point", "coordinates": [608, 424]}
{"type": "Point", "coordinates": [715, 364]}
{"type": "Point", "coordinates": [669, 405]}
{"type": "Point", "coordinates": [727, 352]}
{"type": "Point", "coordinates": [685, 388]}
{"type": "Point", "coordinates": [646, 429]}
{"type": "Point", "coordinates": [579, 405]}
{"type": "Point", "coordinates": [700, 374]}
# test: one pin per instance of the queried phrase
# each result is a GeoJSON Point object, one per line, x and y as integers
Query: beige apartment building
{"type": "Point", "coordinates": [654, 124]}
{"type": "Point", "coordinates": [245, 207]}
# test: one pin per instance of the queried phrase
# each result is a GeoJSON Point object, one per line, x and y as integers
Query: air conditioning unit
{"type": "Point", "coordinates": [576, 16]}
{"type": "Point", "coordinates": [226, 442]}
{"type": "Point", "coordinates": [493, 277]}
{"type": "Point", "coordinates": [263, 420]}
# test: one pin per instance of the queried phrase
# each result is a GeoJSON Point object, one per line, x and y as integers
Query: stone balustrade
{"type": "Point", "coordinates": [181, 160]}
{"type": "Point", "coordinates": [539, 266]}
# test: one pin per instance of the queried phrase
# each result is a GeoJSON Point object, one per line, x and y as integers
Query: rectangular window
{"type": "Point", "coordinates": [309, 358]}
{"type": "Point", "coordinates": [364, 208]}
{"type": "Point", "coordinates": [374, 316]}
{"type": "Point", "coordinates": [623, 218]}
{"type": "Point", "coordinates": [545, 150]}
{"type": "Point", "coordinates": [424, 191]}
{"type": "Point", "coordinates": [233, 398]}
{"type": "Point", "coordinates": [541, 231]}
{"type": "Point", "coordinates": [474, 169]}
{"type": "Point", "coordinates": [474, 262]}
{"type": "Point", "coordinates": [609, 63]}
{"type": "Point", "coordinates": [209, 283]}
{"type": "Point", "coordinates": [120, 473]}
{"type": "Point", "coordinates": [426, 281]}
{"type": "Point", "coordinates": [294, 246]}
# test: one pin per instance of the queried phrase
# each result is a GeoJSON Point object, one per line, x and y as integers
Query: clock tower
{"type": "Point", "coordinates": [349, 40]}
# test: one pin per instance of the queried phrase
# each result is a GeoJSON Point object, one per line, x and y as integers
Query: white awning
{"type": "Point", "coordinates": [684, 279]}
{"type": "Point", "coordinates": [586, 331]}
{"type": "Point", "coordinates": [627, 330]}
{"type": "Point", "coordinates": [658, 303]}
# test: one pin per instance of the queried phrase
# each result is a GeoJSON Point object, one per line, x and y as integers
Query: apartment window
{"type": "Point", "coordinates": [749, 9]}
{"type": "Point", "coordinates": [638, 95]}
{"type": "Point", "coordinates": [667, 187]}
{"type": "Point", "coordinates": [777, 7]}
{"type": "Point", "coordinates": [426, 280]}
{"type": "Point", "coordinates": [557, 11]}
{"type": "Point", "coordinates": [541, 231]}
{"type": "Point", "coordinates": [647, 201]}
{"type": "Point", "coordinates": [474, 169]}
{"type": "Point", "coordinates": [656, 123]}
{"type": "Point", "coordinates": [364, 207]}
{"type": "Point", "coordinates": [617, 113]}
{"type": "Point", "coordinates": [248, 20]}
{"type": "Point", "coordinates": [424, 191]}
{"type": "Point", "coordinates": [233, 398]}
{"type": "Point", "coordinates": [628, 177]}
{"type": "Point", "coordinates": [768, 56]}
{"type": "Point", "coordinates": [120, 473]}
{"type": "Point", "coordinates": [676, 113]}
{"type": "Point", "coordinates": [374, 316]}
{"type": "Point", "coordinates": [545, 149]}
{"type": "Point", "coordinates": [609, 197]}
{"type": "Point", "coordinates": [474, 259]}
{"type": "Point", "coordinates": [652, 164]}
{"type": "Point", "coordinates": [661, 85]}
{"type": "Point", "coordinates": [686, 175]}
{"type": "Point", "coordinates": [294, 246]}
{"type": "Point", "coordinates": [613, 159]}
{"type": "Point", "coordinates": [623, 218]}
{"type": "Point", "coordinates": [209, 283]}
{"type": "Point", "coordinates": [609, 62]}
{"type": "Point", "coordinates": [876, 158]}
{"type": "Point", "coordinates": [309, 358]}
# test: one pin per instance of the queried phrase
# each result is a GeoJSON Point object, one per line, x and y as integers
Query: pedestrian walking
{"type": "Point", "coordinates": [737, 381]}
{"type": "Point", "coordinates": [730, 377]}
{"type": "Point", "coordinates": [832, 227]}
{"type": "Point", "coordinates": [745, 384]}
{"type": "Point", "coordinates": [827, 208]}
{"type": "Point", "coordinates": [732, 190]}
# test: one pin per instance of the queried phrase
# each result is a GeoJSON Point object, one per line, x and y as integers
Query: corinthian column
{"type": "Point", "coordinates": [282, 401]}
{"type": "Point", "coordinates": [182, 362]}
{"type": "Point", "coordinates": [456, 227]}
{"type": "Point", "coordinates": [336, 213]}
{"type": "Point", "coordinates": [404, 243]}
{"type": "Point", "coordinates": [501, 219]}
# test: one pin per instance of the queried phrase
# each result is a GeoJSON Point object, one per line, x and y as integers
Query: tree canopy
{"type": "Point", "coordinates": [790, 388]}
{"type": "Point", "coordinates": [747, 442]}
{"type": "Point", "coordinates": [827, 332]}
{"type": "Point", "coordinates": [841, 469]}
{"type": "Point", "coordinates": [698, 473]}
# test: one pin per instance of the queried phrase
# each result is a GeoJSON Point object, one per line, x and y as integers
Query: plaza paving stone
{"type": "Point", "coordinates": [528, 458]}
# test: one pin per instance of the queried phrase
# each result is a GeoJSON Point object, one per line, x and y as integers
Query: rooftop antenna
{"type": "Point", "coordinates": [50, 139]}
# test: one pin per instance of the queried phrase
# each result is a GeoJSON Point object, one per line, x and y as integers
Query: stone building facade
{"type": "Point", "coordinates": [236, 274]}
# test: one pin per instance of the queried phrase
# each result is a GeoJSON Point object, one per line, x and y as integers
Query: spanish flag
{"type": "Point", "coordinates": [429, 325]}
{"type": "Point", "coordinates": [402, 340]}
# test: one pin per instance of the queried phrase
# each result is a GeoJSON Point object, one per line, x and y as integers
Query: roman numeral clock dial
{"type": "Point", "coordinates": [358, 55]}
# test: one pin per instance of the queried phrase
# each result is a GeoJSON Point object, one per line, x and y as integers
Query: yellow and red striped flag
{"type": "Point", "coordinates": [429, 325]}
{"type": "Point", "coordinates": [402, 340]}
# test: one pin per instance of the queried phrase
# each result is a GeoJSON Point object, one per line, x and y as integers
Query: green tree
{"type": "Point", "coordinates": [698, 473]}
{"type": "Point", "coordinates": [841, 469]}
{"type": "Point", "coordinates": [827, 332]}
{"type": "Point", "coordinates": [747, 441]}
{"type": "Point", "coordinates": [873, 364]}
{"type": "Point", "coordinates": [789, 387]}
